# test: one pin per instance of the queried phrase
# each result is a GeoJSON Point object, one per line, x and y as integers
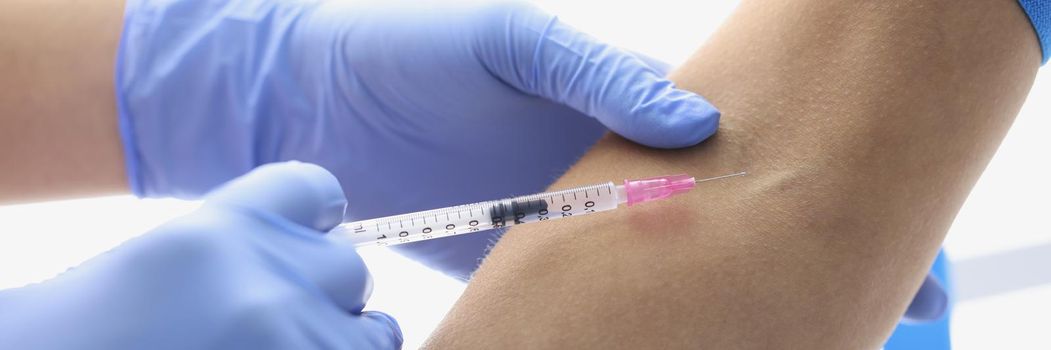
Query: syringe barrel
{"type": "Point", "coordinates": [469, 218]}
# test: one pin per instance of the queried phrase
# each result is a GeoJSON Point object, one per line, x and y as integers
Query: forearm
{"type": "Point", "coordinates": [58, 124]}
{"type": "Point", "coordinates": [863, 126]}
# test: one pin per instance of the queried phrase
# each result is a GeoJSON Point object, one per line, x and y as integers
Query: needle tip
{"type": "Point", "coordinates": [722, 177]}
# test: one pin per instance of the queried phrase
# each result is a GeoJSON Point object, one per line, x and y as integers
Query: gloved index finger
{"type": "Point", "coordinates": [379, 330]}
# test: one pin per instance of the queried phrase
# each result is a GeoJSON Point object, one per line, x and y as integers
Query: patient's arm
{"type": "Point", "coordinates": [862, 124]}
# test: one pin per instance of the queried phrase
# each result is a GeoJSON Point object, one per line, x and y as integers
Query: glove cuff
{"type": "Point", "coordinates": [131, 154]}
{"type": "Point", "coordinates": [204, 93]}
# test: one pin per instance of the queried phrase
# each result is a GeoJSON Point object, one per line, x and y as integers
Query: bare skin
{"type": "Point", "coordinates": [58, 130]}
{"type": "Point", "coordinates": [863, 125]}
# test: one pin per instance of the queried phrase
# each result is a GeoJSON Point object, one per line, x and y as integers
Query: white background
{"type": "Point", "coordinates": [1001, 240]}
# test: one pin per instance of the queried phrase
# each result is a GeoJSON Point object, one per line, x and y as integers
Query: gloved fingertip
{"type": "Point", "coordinates": [304, 193]}
{"type": "Point", "coordinates": [629, 95]}
{"type": "Point", "coordinates": [930, 303]}
{"type": "Point", "coordinates": [675, 120]}
{"type": "Point", "coordinates": [386, 324]}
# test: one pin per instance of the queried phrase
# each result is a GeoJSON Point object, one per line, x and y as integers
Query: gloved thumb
{"type": "Point", "coordinates": [303, 193]}
{"type": "Point", "coordinates": [545, 57]}
{"type": "Point", "coordinates": [929, 303]}
{"type": "Point", "coordinates": [309, 197]}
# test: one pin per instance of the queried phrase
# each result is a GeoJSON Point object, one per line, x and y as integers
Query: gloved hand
{"type": "Point", "coordinates": [248, 270]}
{"type": "Point", "coordinates": [931, 301]}
{"type": "Point", "coordinates": [412, 105]}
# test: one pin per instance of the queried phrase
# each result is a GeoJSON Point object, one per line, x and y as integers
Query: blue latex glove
{"type": "Point", "coordinates": [930, 303]}
{"type": "Point", "coordinates": [932, 332]}
{"type": "Point", "coordinates": [413, 105]}
{"type": "Point", "coordinates": [249, 270]}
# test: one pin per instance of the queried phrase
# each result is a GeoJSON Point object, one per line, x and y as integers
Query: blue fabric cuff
{"type": "Point", "coordinates": [1039, 12]}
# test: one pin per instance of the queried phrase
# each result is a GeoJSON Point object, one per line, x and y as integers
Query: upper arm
{"type": "Point", "coordinates": [863, 125]}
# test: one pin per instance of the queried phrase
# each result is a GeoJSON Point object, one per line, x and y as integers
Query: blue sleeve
{"type": "Point", "coordinates": [1039, 12]}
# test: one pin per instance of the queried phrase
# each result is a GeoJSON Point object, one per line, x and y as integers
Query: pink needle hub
{"type": "Point", "coordinates": [657, 188]}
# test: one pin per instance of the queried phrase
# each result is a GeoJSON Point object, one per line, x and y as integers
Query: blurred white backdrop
{"type": "Point", "coordinates": [1000, 242]}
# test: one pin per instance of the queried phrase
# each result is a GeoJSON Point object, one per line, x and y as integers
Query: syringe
{"type": "Point", "coordinates": [467, 218]}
